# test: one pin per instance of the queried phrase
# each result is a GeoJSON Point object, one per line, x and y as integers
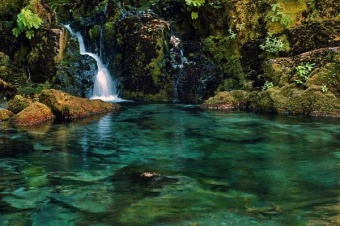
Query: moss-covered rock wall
{"type": "Point", "coordinates": [173, 51]}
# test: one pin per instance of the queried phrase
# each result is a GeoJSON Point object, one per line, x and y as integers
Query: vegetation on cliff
{"type": "Point", "coordinates": [274, 50]}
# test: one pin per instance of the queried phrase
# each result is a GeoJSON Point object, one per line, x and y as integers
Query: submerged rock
{"type": "Point", "coordinates": [66, 106]}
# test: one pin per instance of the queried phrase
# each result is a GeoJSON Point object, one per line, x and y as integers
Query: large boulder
{"type": "Point", "coordinates": [66, 106]}
{"type": "Point", "coordinates": [35, 113]}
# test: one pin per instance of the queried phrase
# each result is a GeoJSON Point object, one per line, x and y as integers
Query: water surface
{"type": "Point", "coordinates": [159, 164]}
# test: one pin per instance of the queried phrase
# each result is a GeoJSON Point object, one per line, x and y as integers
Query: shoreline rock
{"type": "Point", "coordinates": [52, 104]}
{"type": "Point", "coordinates": [34, 114]}
{"type": "Point", "coordinates": [66, 106]}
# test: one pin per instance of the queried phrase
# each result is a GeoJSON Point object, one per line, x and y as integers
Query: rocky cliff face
{"type": "Point", "coordinates": [173, 51]}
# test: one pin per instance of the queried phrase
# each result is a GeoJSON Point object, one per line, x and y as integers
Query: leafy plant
{"type": "Point", "coordinates": [232, 34]}
{"type": "Point", "coordinates": [194, 15]}
{"type": "Point", "coordinates": [267, 85]}
{"type": "Point", "coordinates": [194, 4]}
{"type": "Point", "coordinates": [272, 44]}
{"type": "Point", "coordinates": [240, 27]}
{"type": "Point", "coordinates": [303, 72]}
{"type": "Point", "coordinates": [324, 88]}
{"type": "Point", "coordinates": [277, 15]}
{"type": "Point", "coordinates": [27, 21]}
{"type": "Point", "coordinates": [217, 4]}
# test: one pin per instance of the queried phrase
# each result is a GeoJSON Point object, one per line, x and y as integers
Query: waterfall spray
{"type": "Point", "coordinates": [104, 87]}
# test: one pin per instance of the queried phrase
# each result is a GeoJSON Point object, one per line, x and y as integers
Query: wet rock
{"type": "Point", "coordinates": [66, 106]}
{"type": "Point", "coordinates": [34, 114]}
{"type": "Point", "coordinates": [18, 103]}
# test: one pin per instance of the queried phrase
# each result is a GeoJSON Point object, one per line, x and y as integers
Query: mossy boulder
{"type": "Point", "coordinates": [236, 99]}
{"type": "Point", "coordinates": [34, 114]}
{"type": "Point", "coordinates": [18, 103]}
{"type": "Point", "coordinates": [143, 45]}
{"type": "Point", "coordinates": [285, 100]}
{"type": "Point", "coordinates": [5, 114]}
{"type": "Point", "coordinates": [66, 106]}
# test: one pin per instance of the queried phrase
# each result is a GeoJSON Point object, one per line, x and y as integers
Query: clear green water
{"type": "Point", "coordinates": [164, 164]}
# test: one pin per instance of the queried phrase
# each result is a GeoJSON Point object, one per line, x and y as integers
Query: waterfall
{"type": "Point", "coordinates": [178, 60]}
{"type": "Point", "coordinates": [104, 87]}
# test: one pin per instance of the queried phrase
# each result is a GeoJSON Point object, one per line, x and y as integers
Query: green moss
{"type": "Point", "coordinates": [225, 52]}
{"type": "Point", "coordinates": [94, 32]}
{"type": "Point", "coordinates": [288, 13]}
{"type": "Point", "coordinates": [139, 96]}
{"type": "Point", "coordinates": [327, 76]}
{"type": "Point", "coordinates": [236, 99]}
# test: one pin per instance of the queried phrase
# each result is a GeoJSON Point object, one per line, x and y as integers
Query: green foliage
{"type": "Point", "coordinates": [194, 15]}
{"type": "Point", "coordinates": [216, 5]}
{"type": "Point", "coordinates": [272, 44]}
{"type": "Point", "coordinates": [277, 15]}
{"type": "Point", "coordinates": [26, 22]}
{"type": "Point", "coordinates": [324, 88]}
{"type": "Point", "coordinates": [267, 85]}
{"type": "Point", "coordinates": [33, 88]}
{"type": "Point", "coordinates": [232, 34]}
{"type": "Point", "coordinates": [194, 4]}
{"type": "Point", "coordinates": [303, 72]}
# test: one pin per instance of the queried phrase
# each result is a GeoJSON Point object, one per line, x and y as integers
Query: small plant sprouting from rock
{"type": "Point", "coordinates": [195, 4]}
{"type": "Point", "coordinates": [303, 72]}
{"type": "Point", "coordinates": [277, 15]}
{"type": "Point", "coordinates": [232, 35]}
{"type": "Point", "coordinates": [27, 21]}
{"type": "Point", "coordinates": [324, 88]}
{"type": "Point", "coordinates": [267, 85]}
{"type": "Point", "coordinates": [272, 44]}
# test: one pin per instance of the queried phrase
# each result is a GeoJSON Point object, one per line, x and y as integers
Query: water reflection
{"type": "Point", "coordinates": [172, 165]}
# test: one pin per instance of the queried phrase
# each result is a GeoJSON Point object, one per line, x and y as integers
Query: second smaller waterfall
{"type": "Point", "coordinates": [104, 87]}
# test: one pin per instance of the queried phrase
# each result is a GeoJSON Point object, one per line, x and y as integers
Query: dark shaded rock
{"type": "Point", "coordinates": [313, 35]}
{"type": "Point", "coordinates": [46, 53]}
{"type": "Point", "coordinates": [7, 89]}
{"type": "Point", "coordinates": [66, 106]}
{"type": "Point", "coordinates": [75, 73]}
{"type": "Point", "coordinates": [35, 113]}
{"type": "Point", "coordinates": [143, 46]}
{"type": "Point", "coordinates": [18, 103]}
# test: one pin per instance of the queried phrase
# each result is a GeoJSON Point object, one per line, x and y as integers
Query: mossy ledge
{"type": "Point", "coordinates": [278, 100]}
{"type": "Point", "coordinates": [53, 104]}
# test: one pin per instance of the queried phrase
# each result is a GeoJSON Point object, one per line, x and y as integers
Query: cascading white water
{"type": "Point", "coordinates": [104, 87]}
